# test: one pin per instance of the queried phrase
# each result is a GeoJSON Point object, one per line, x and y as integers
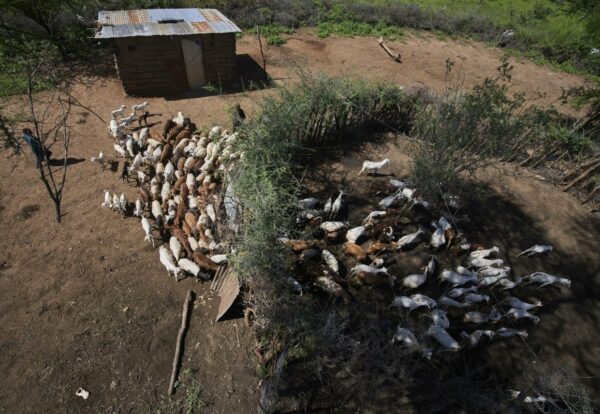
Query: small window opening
{"type": "Point", "coordinates": [171, 21]}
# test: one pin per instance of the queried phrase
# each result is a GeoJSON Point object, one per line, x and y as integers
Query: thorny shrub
{"type": "Point", "coordinates": [462, 129]}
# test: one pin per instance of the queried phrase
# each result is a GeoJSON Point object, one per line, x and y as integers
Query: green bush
{"type": "Point", "coordinates": [459, 130]}
{"type": "Point", "coordinates": [339, 21]}
{"type": "Point", "coordinates": [319, 110]}
{"type": "Point", "coordinates": [17, 57]}
{"type": "Point", "coordinates": [272, 33]}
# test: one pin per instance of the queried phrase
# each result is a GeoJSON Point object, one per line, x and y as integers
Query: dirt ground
{"type": "Point", "coordinates": [87, 304]}
{"type": "Point", "coordinates": [423, 63]}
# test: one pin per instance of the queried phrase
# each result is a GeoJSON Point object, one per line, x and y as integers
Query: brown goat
{"type": "Point", "coordinates": [354, 250]}
{"type": "Point", "coordinates": [180, 213]}
{"type": "Point", "coordinates": [169, 125]}
{"type": "Point", "coordinates": [204, 262]}
{"type": "Point", "coordinates": [191, 221]}
{"type": "Point", "coordinates": [180, 235]}
{"type": "Point", "coordinates": [166, 153]}
{"type": "Point", "coordinates": [298, 246]}
{"type": "Point", "coordinates": [178, 183]}
{"type": "Point", "coordinates": [174, 132]}
{"type": "Point", "coordinates": [377, 247]}
{"type": "Point", "coordinates": [185, 133]}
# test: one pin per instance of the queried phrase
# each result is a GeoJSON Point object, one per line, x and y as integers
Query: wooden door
{"type": "Point", "coordinates": [194, 63]}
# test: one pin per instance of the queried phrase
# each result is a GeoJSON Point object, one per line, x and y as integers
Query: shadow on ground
{"type": "Point", "coordinates": [60, 162]}
{"type": "Point", "coordinates": [251, 77]}
{"type": "Point", "coordinates": [477, 380]}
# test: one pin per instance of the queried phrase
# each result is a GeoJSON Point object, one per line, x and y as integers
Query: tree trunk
{"type": "Point", "coordinates": [57, 210]}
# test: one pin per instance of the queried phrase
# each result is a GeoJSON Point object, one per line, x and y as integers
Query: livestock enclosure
{"type": "Point", "coordinates": [356, 291]}
{"type": "Point", "coordinates": [170, 50]}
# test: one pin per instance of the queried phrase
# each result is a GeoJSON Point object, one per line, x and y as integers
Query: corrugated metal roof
{"type": "Point", "coordinates": [162, 22]}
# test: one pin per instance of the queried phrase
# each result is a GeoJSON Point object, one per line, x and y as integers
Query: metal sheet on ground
{"type": "Point", "coordinates": [227, 285]}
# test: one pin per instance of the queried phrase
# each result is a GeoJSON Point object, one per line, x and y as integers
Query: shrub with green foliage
{"type": "Point", "coordinates": [272, 33]}
{"type": "Point", "coordinates": [338, 20]}
{"type": "Point", "coordinates": [460, 130]}
{"type": "Point", "coordinates": [319, 110]}
{"type": "Point", "coordinates": [18, 57]}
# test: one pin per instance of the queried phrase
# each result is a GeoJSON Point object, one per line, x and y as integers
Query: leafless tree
{"type": "Point", "coordinates": [51, 126]}
{"type": "Point", "coordinates": [50, 113]}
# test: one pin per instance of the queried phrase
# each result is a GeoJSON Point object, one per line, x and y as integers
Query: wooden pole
{"type": "Point", "coordinates": [264, 61]}
{"type": "Point", "coordinates": [395, 56]}
{"type": "Point", "coordinates": [180, 338]}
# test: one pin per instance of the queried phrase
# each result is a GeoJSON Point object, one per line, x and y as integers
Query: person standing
{"type": "Point", "coordinates": [238, 116]}
{"type": "Point", "coordinates": [36, 147]}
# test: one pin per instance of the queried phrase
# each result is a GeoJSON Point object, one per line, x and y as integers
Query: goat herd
{"type": "Point", "coordinates": [475, 299]}
{"type": "Point", "coordinates": [183, 197]}
{"type": "Point", "coordinates": [178, 173]}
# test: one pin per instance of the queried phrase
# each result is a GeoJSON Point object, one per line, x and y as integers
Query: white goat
{"type": "Point", "coordinates": [123, 204]}
{"type": "Point", "coordinates": [118, 112]}
{"type": "Point", "coordinates": [372, 166]}
{"type": "Point", "coordinates": [167, 260]}
{"type": "Point", "coordinates": [126, 121]}
{"type": "Point", "coordinates": [141, 176]}
{"type": "Point", "coordinates": [129, 145]}
{"type": "Point", "coordinates": [116, 203]}
{"type": "Point", "coordinates": [175, 247]}
{"type": "Point", "coordinates": [137, 162]}
{"type": "Point", "coordinates": [120, 151]}
{"type": "Point", "coordinates": [139, 208]}
{"type": "Point", "coordinates": [107, 200]}
{"type": "Point", "coordinates": [189, 266]}
{"type": "Point", "coordinates": [114, 129]}
{"type": "Point", "coordinates": [99, 159]}
{"type": "Point", "coordinates": [147, 231]}
{"type": "Point", "coordinates": [140, 107]}
{"type": "Point", "coordinates": [179, 118]}
{"type": "Point", "coordinates": [157, 213]}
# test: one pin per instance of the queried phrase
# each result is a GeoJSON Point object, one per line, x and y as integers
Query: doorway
{"type": "Point", "coordinates": [194, 63]}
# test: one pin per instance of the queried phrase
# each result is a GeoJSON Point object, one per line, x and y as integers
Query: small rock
{"type": "Point", "coordinates": [82, 393]}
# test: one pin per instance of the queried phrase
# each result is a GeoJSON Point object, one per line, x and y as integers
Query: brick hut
{"type": "Point", "coordinates": [160, 51]}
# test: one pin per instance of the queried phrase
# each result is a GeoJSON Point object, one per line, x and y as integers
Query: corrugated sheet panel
{"type": "Point", "coordinates": [113, 17]}
{"type": "Point", "coordinates": [223, 27]}
{"type": "Point", "coordinates": [130, 23]}
{"type": "Point", "coordinates": [138, 16]}
{"type": "Point", "coordinates": [187, 15]}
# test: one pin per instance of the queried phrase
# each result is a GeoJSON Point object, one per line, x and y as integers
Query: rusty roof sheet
{"type": "Point", "coordinates": [162, 22]}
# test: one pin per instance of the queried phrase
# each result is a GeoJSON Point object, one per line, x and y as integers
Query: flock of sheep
{"type": "Point", "coordinates": [178, 173]}
{"type": "Point", "coordinates": [474, 300]}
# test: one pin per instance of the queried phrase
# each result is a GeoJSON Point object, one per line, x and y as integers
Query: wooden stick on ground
{"type": "Point", "coordinates": [395, 56]}
{"type": "Point", "coordinates": [592, 194]}
{"type": "Point", "coordinates": [584, 176]}
{"type": "Point", "coordinates": [180, 337]}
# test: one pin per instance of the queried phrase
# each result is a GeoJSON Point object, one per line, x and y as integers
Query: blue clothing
{"type": "Point", "coordinates": [36, 148]}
